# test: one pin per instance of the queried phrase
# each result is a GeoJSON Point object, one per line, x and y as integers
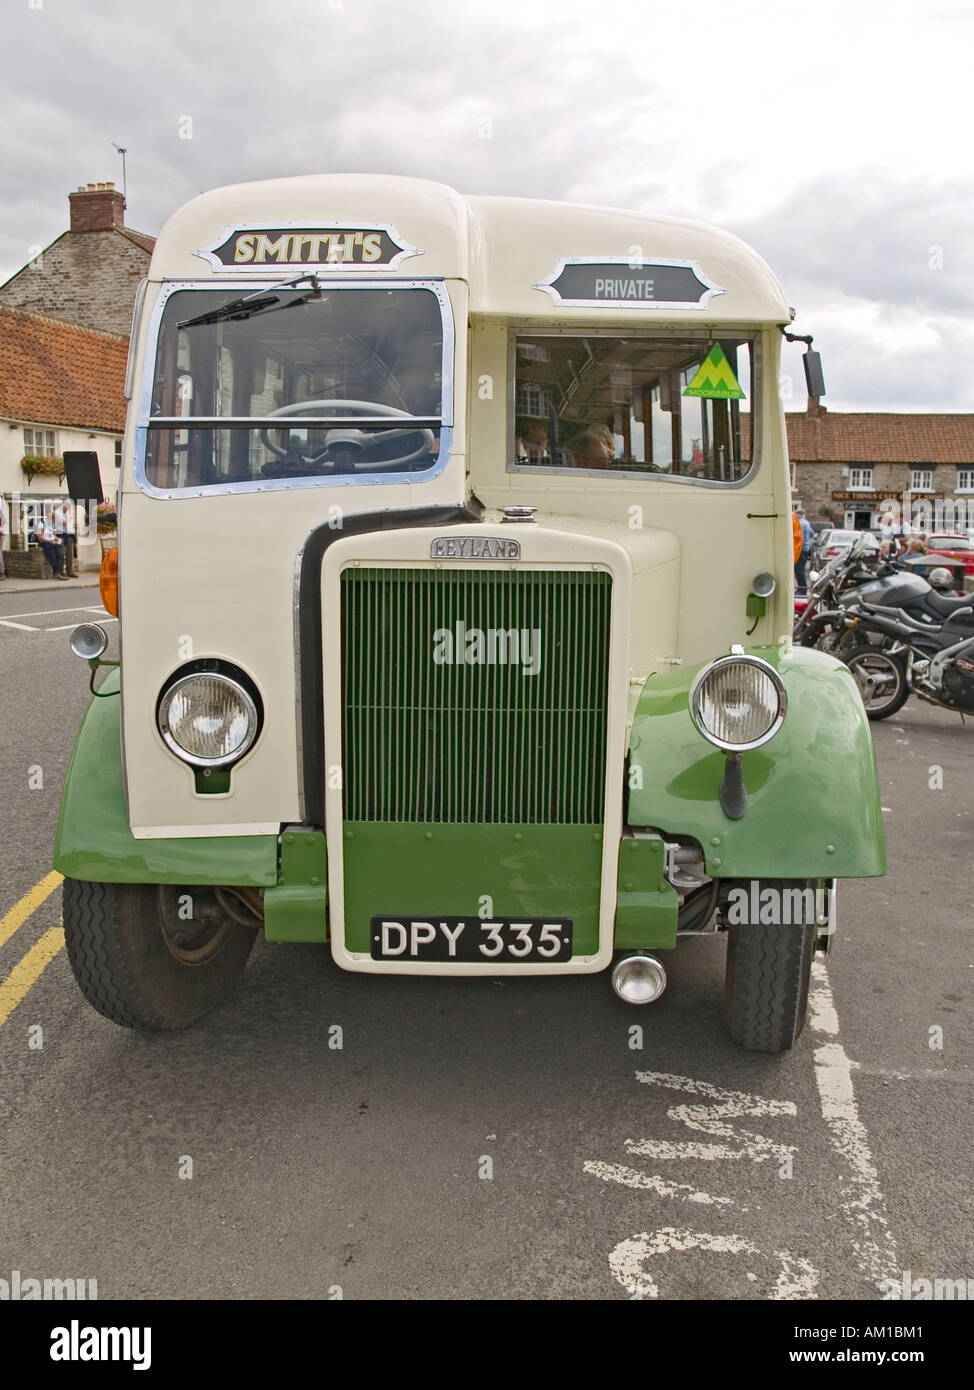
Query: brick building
{"type": "Point", "coordinates": [850, 467]}
{"type": "Point", "coordinates": [89, 275]}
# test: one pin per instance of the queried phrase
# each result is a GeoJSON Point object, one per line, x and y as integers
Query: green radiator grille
{"type": "Point", "coordinates": [475, 695]}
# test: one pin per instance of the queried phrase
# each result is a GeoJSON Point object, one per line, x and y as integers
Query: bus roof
{"type": "Point", "coordinates": [521, 257]}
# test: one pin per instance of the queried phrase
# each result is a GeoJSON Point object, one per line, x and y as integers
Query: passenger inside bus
{"type": "Point", "coordinates": [639, 404]}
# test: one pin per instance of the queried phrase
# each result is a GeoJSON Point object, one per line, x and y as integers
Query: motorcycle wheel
{"type": "Point", "coordinates": [881, 678]}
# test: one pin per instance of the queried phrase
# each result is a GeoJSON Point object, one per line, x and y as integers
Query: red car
{"type": "Point", "coordinates": [958, 547]}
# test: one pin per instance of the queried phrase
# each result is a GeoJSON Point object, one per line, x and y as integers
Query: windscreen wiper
{"type": "Point", "coordinates": [257, 303]}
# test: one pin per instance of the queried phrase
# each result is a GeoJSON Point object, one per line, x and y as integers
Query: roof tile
{"type": "Point", "coordinates": [54, 373]}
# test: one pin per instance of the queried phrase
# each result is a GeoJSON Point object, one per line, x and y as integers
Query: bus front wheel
{"type": "Point", "coordinates": [152, 956]}
{"type": "Point", "coordinates": [769, 967]}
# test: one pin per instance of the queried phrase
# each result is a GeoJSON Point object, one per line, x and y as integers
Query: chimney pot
{"type": "Point", "coordinates": [99, 207]}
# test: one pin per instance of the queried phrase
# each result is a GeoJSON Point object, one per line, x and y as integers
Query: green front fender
{"type": "Point", "coordinates": [94, 841]}
{"type": "Point", "coordinates": [813, 797]}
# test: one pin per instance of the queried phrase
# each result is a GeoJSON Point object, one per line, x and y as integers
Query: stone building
{"type": "Point", "coordinates": [89, 275]}
{"type": "Point", "coordinates": [65, 319]}
{"type": "Point", "coordinates": [852, 468]}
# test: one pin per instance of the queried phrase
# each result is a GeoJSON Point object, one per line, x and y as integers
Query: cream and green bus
{"type": "Point", "coordinates": [454, 581]}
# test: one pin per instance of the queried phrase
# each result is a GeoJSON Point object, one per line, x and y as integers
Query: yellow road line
{"type": "Point", "coordinates": [29, 903]}
{"type": "Point", "coordinates": [28, 971]}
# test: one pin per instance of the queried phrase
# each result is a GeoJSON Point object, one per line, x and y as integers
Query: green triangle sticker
{"type": "Point", "coordinates": [715, 378]}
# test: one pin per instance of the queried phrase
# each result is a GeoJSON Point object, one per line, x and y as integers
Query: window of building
{"type": "Point", "coordinates": [921, 479]}
{"type": "Point", "coordinates": [860, 479]}
{"type": "Point", "coordinates": [118, 453]}
{"type": "Point", "coordinates": [794, 476]}
{"type": "Point", "coordinates": [965, 480]}
{"type": "Point", "coordinates": [42, 442]}
{"type": "Point", "coordinates": [533, 401]}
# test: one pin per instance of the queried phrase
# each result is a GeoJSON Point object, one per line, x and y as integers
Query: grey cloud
{"type": "Point", "coordinates": [277, 87]}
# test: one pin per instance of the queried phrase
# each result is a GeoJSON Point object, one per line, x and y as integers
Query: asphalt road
{"type": "Point", "coordinates": [493, 1139]}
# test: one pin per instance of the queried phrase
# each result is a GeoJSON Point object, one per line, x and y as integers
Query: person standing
{"type": "Point", "coordinates": [797, 546]}
{"type": "Point", "coordinates": [46, 539]}
{"type": "Point", "coordinates": [804, 534]}
{"type": "Point", "coordinates": [3, 538]}
{"type": "Point", "coordinates": [66, 529]}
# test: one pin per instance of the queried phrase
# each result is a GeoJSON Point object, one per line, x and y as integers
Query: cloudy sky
{"type": "Point", "coordinates": [833, 136]}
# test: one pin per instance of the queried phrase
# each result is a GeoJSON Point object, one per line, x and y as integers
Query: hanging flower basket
{"type": "Point", "coordinates": [37, 463]}
{"type": "Point", "coordinates": [107, 520]}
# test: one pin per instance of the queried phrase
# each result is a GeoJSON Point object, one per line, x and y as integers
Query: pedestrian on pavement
{"type": "Point", "coordinates": [802, 541]}
{"type": "Point", "coordinates": [3, 537]}
{"type": "Point", "coordinates": [45, 538]}
{"type": "Point", "coordinates": [66, 530]}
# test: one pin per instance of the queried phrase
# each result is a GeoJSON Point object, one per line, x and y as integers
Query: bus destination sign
{"type": "Point", "coordinates": [328, 246]}
{"type": "Point", "coordinates": [629, 283]}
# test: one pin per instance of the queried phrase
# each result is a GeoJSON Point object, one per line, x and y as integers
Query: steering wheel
{"type": "Point", "coordinates": [351, 444]}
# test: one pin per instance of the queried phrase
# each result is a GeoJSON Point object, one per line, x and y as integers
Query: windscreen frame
{"type": "Point", "coordinates": [434, 285]}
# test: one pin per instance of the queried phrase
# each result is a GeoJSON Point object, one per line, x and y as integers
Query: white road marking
{"type": "Point", "coordinates": [629, 1177]}
{"type": "Point", "coordinates": [48, 612]}
{"type": "Point", "coordinates": [796, 1277]}
{"type": "Point", "coordinates": [861, 1198]}
{"type": "Point", "coordinates": [711, 1119]}
{"type": "Point", "coordinates": [924, 1074]}
{"type": "Point", "coordinates": [52, 613]}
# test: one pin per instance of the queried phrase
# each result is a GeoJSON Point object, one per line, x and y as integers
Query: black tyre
{"type": "Point", "coordinates": [881, 678]}
{"type": "Point", "coordinates": [152, 956]}
{"type": "Point", "coordinates": [766, 982]}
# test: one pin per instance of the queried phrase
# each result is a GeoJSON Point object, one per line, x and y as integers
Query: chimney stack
{"type": "Point", "coordinates": [98, 208]}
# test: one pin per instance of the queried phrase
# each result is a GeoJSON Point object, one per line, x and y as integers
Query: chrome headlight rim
{"type": "Point", "coordinates": [242, 686]}
{"type": "Point", "coordinates": [738, 659]}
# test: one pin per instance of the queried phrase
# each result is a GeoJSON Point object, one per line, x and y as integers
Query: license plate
{"type": "Point", "coordinates": [469, 939]}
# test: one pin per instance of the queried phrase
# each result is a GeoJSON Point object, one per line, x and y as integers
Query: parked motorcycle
{"type": "Point", "coordinates": [933, 663]}
{"type": "Point", "coordinates": [818, 619]}
{"type": "Point", "coordinates": [863, 578]}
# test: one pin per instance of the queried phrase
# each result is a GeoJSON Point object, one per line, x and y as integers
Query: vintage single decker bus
{"type": "Point", "coordinates": [454, 581]}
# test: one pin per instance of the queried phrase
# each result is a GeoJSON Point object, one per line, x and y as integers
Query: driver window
{"type": "Point", "coordinates": [365, 363]}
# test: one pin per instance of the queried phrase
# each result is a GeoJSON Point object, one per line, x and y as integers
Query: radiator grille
{"type": "Point", "coordinates": [501, 721]}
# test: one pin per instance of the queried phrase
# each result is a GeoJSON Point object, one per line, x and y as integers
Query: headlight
{"type": "Point", "coordinates": [208, 718]}
{"type": "Point", "coordinates": [738, 702]}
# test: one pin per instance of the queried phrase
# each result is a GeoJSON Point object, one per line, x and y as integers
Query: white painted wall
{"type": "Point", "coordinates": [45, 486]}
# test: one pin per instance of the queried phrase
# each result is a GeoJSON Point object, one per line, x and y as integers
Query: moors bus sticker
{"type": "Point", "coordinates": [328, 245]}
{"type": "Point", "coordinates": [475, 548]}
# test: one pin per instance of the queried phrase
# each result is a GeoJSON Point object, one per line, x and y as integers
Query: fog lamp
{"type": "Point", "coordinates": [88, 641]}
{"type": "Point", "coordinates": [638, 979]}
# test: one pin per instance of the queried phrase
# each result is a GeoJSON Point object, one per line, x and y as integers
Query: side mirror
{"type": "Point", "coordinates": [814, 376]}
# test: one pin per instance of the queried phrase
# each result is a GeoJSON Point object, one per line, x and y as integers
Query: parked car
{"type": "Point", "coordinates": [834, 545]}
{"type": "Point", "coordinates": [957, 546]}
